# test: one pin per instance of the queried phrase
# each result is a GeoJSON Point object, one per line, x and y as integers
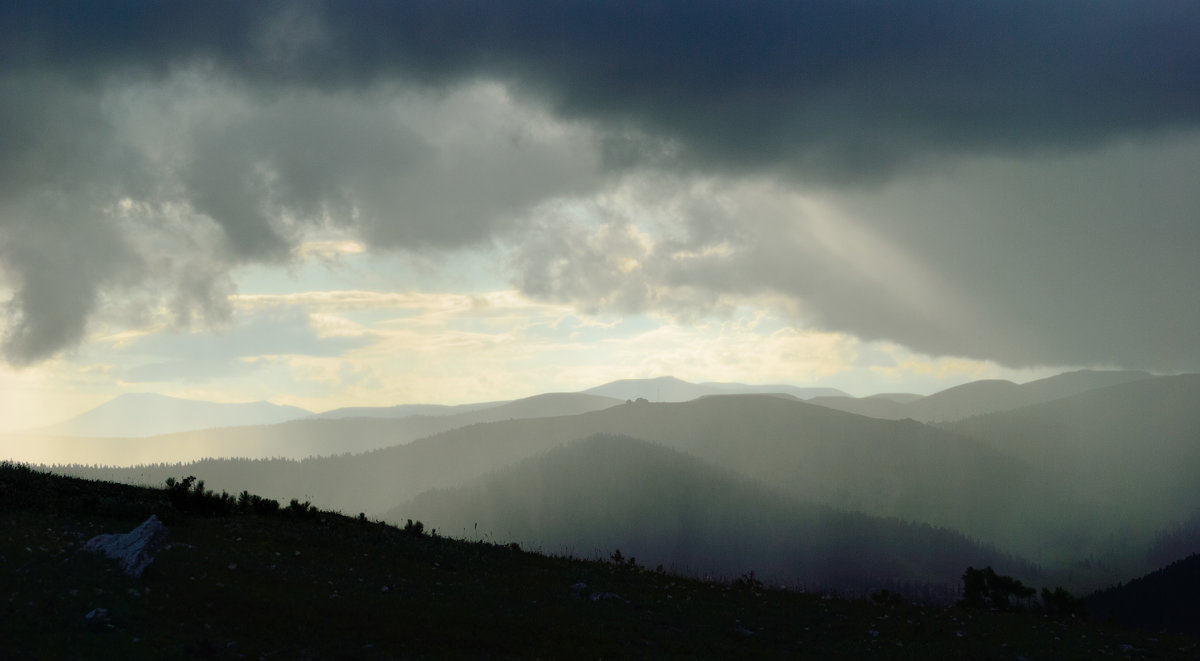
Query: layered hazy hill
{"type": "Point", "coordinates": [885, 468]}
{"type": "Point", "coordinates": [1083, 484]}
{"type": "Point", "coordinates": [143, 428]}
{"type": "Point", "coordinates": [307, 437]}
{"type": "Point", "coordinates": [979, 397]}
{"type": "Point", "coordinates": [1132, 449]}
{"type": "Point", "coordinates": [151, 428]}
{"type": "Point", "coordinates": [667, 508]}
{"type": "Point", "coordinates": [404, 410]}
{"type": "Point", "coordinates": [671, 389]}
{"type": "Point", "coordinates": [148, 414]}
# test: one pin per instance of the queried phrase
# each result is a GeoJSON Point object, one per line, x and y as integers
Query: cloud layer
{"type": "Point", "coordinates": [997, 180]}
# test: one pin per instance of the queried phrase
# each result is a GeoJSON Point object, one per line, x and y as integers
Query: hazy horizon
{"type": "Point", "coordinates": [648, 394]}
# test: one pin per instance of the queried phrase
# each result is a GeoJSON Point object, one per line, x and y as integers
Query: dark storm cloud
{"type": "Point", "coordinates": [291, 124]}
{"type": "Point", "coordinates": [828, 88]}
{"type": "Point", "coordinates": [1086, 259]}
{"type": "Point", "coordinates": [58, 164]}
{"type": "Point", "coordinates": [1083, 259]}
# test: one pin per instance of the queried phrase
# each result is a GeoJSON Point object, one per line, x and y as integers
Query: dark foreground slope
{"type": "Point", "coordinates": [1164, 600]}
{"type": "Point", "coordinates": [319, 585]}
{"type": "Point", "coordinates": [667, 508]}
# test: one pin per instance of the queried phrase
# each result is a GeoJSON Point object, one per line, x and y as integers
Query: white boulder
{"type": "Point", "coordinates": [136, 549]}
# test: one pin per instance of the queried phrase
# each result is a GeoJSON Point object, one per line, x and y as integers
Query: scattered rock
{"type": "Point", "coordinates": [98, 617]}
{"type": "Point", "coordinates": [135, 550]}
{"type": "Point", "coordinates": [579, 591]}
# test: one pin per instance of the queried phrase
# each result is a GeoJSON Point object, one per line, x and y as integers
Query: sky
{"type": "Point", "coordinates": [328, 204]}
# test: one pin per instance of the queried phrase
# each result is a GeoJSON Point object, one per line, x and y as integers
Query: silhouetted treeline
{"type": "Point", "coordinates": [1177, 542]}
{"type": "Point", "coordinates": [1164, 600]}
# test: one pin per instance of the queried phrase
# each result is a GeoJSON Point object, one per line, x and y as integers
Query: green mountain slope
{"type": "Point", "coordinates": [1130, 449]}
{"type": "Point", "coordinates": [666, 508]}
{"type": "Point", "coordinates": [900, 469]}
{"type": "Point", "coordinates": [887, 468]}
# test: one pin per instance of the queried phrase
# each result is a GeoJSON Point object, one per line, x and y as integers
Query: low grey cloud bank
{"type": "Point", "coordinates": [954, 138]}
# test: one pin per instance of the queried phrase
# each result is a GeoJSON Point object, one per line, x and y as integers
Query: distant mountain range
{"type": "Point", "coordinates": [404, 410]}
{"type": "Point", "coordinates": [139, 415]}
{"type": "Point", "coordinates": [308, 436]}
{"type": "Point", "coordinates": [143, 415]}
{"type": "Point", "coordinates": [147, 414]}
{"type": "Point", "coordinates": [1098, 475]}
{"type": "Point", "coordinates": [979, 397]}
{"type": "Point", "coordinates": [671, 389]}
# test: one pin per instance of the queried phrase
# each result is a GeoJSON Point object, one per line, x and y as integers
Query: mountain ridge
{"type": "Point", "coordinates": [982, 396]}
{"type": "Point", "coordinates": [671, 509]}
{"type": "Point", "coordinates": [138, 415]}
{"type": "Point", "coordinates": [884, 468]}
{"type": "Point", "coordinates": [309, 436]}
{"type": "Point", "coordinates": [674, 390]}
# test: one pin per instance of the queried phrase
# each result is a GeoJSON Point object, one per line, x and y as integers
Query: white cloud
{"type": "Point", "coordinates": [329, 250]}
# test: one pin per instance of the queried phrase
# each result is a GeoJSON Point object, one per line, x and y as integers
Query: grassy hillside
{"type": "Point", "coordinates": [670, 509]}
{"type": "Point", "coordinates": [312, 585]}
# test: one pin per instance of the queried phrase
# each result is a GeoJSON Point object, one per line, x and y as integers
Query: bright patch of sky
{"type": "Point", "coordinates": [319, 336]}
